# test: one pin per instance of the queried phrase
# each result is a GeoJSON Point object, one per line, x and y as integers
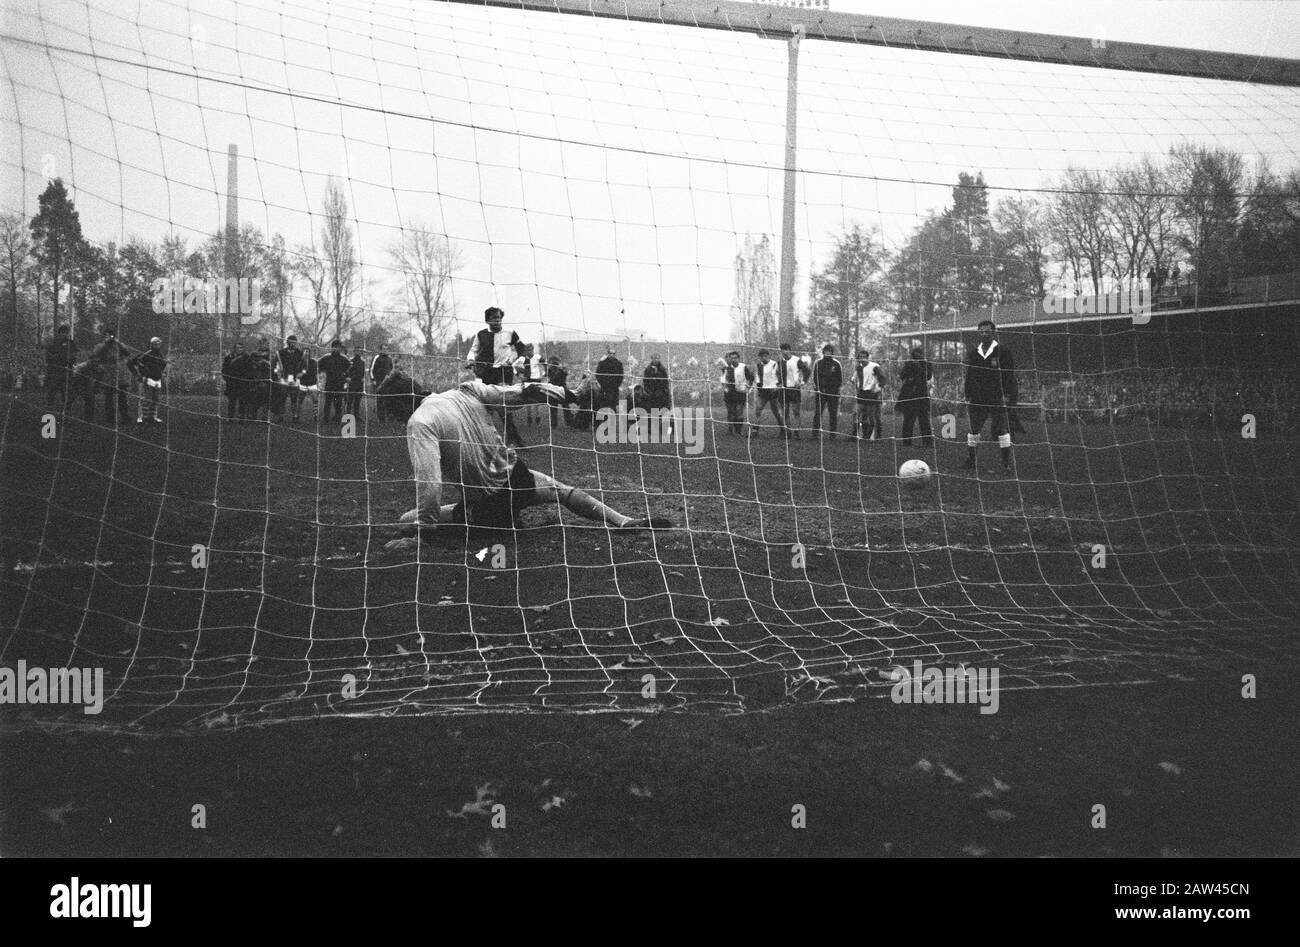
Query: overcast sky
{"type": "Point", "coordinates": [583, 166]}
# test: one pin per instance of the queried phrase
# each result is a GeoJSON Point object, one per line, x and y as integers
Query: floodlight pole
{"type": "Point", "coordinates": [785, 318]}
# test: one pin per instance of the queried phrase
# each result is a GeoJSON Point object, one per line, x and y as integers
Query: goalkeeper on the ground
{"type": "Point", "coordinates": [453, 442]}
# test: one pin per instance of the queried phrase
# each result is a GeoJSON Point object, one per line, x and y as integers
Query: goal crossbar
{"type": "Point", "coordinates": [780, 22]}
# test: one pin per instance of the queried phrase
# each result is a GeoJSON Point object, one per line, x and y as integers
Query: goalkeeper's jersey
{"type": "Point", "coordinates": [452, 438]}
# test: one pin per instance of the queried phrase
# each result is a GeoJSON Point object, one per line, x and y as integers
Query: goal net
{"type": "Point", "coordinates": [617, 188]}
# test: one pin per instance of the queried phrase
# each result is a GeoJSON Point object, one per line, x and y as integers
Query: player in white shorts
{"type": "Point", "coordinates": [453, 442]}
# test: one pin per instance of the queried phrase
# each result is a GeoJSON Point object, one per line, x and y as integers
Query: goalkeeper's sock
{"type": "Point", "coordinates": [586, 505]}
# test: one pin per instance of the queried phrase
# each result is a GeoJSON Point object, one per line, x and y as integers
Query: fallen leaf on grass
{"type": "Point", "coordinates": [482, 804]}
{"type": "Point", "coordinates": [57, 815]}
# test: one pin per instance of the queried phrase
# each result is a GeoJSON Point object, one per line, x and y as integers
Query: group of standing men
{"type": "Point", "coordinates": [259, 381]}
{"type": "Point", "coordinates": [112, 371]}
{"type": "Point", "coordinates": [777, 383]}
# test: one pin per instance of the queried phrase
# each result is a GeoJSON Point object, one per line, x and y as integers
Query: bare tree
{"type": "Point", "coordinates": [1210, 185]}
{"type": "Point", "coordinates": [278, 270]}
{"type": "Point", "coordinates": [311, 315]}
{"type": "Point", "coordinates": [427, 262]}
{"type": "Point", "coordinates": [1021, 224]}
{"type": "Point", "coordinates": [1077, 224]}
{"type": "Point", "coordinates": [339, 257]}
{"type": "Point", "coordinates": [15, 250]}
{"type": "Point", "coordinates": [752, 308]}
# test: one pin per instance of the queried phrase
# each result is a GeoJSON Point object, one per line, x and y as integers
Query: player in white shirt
{"type": "Point", "coordinates": [453, 442]}
{"type": "Point", "coordinates": [770, 394]}
{"type": "Point", "coordinates": [869, 381]}
{"type": "Point", "coordinates": [795, 370]}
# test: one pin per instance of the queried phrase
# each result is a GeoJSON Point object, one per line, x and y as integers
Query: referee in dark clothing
{"type": "Point", "coordinates": [990, 387]}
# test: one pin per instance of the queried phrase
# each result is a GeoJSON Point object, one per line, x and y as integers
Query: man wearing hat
{"type": "Point", "coordinates": [149, 366]}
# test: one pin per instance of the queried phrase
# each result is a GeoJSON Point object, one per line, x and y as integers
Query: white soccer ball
{"type": "Point", "coordinates": [914, 474]}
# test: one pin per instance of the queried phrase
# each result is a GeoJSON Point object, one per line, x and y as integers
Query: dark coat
{"type": "Point", "coordinates": [827, 375]}
{"type": "Point", "coordinates": [991, 377]}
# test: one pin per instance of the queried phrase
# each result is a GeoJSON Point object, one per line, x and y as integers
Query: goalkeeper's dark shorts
{"type": "Point", "coordinates": [981, 413]}
{"type": "Point", "coordinates": [498, 509]}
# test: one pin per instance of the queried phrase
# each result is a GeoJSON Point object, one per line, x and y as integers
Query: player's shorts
{"type": "Point", "coordinates": [770, 396]}
{"type": "Point", "coordinates": [980, 413]}
{"type": "Point", "coordinates": [792, 396]}
{"type": "Point", "coordinates": [498, 509]}
{"type": "Point", "coordinates": [868, 399]}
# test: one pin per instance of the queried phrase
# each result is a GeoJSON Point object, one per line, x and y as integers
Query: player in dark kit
{"type": "Point", "coordinates": [114, 377]}
{"type": "Point", "coordinates": [60, 356]}
{"type": "Point", "coordinates": [231, 380]}
{"type": "Point", "coordinates": [914, 394]}
{"type": "Point", "coordinates": [380, 368]}
{"type": "Point", "coordinates": [149, 365]}
{"type": "Point", "coordinates": [609, 376]}
{"type": "Point", "coordinates": [990, 387]}
{"type": "Point", "coordinates": [558, 375]}
{"type": "Point", "coordinates": [356, 382]}
{"type": "Point", "coordinates": [828, 379]}
{"type": "Point", "coordinates": [293, 365]}
{"type": "Point", "coordinates": [335, 369]}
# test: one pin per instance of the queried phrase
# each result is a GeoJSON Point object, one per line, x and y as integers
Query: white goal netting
{"type": "Point", "coordinates": [616, 188]}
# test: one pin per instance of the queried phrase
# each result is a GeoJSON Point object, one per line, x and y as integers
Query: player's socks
{"type": "Point", "coordinates": [586, 505]}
